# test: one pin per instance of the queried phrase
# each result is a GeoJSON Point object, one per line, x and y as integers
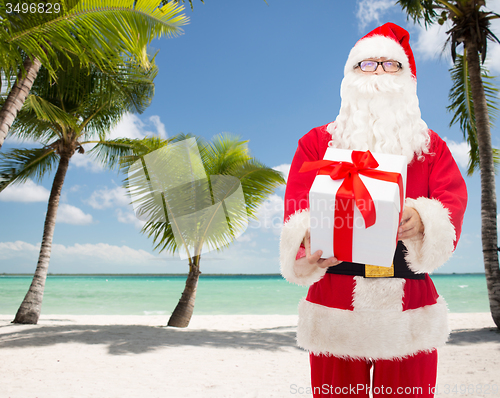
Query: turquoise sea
{"type": "Point", "coordinates": [218, 294]}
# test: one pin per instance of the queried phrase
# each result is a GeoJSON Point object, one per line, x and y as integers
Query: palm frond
{"type": "Point", "coordinates": [98, 31]}
{"type": "Point", "coordinates": [19, 165]}
{"type": "Point", "coordinates": [48, 112]}
{"type": "Point", "coordinates": [462, 106]}
{"type": "Point", "coordinates": [85, 100]}
{"type": "Point", "coordinates": [229, 155]}
{"type": "Point", "coordinates": [162, 236]}
{"type": "Point", "coordinates": [128, 81]}
{"type": "Point", "coordinates": [258, 182]}
{"type": "Point", "coordinates": [223, 153]}
{"type": "Point", "coordinates": [88, 86]}
{"type": "Point", "coordinates": [183, 1]}
{"type": "Point", "coordinates": [140, 148]}
{"type": "Point", "coordinates": [27, 127]}
{"type": "Point", "coordinates": [200, 212]}
{"type": "Point", "coordinates": [420, 10]}
{"type": "Point", "coordinates": [109, 153]}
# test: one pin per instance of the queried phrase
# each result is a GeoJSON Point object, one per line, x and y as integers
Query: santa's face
{"type": "Point", "coordinates": [379, 111]}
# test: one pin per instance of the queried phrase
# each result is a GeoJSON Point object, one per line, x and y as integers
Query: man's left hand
{"type": "Point", "coordinates": [411, 225]}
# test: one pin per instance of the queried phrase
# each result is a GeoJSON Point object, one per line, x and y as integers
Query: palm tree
{"type": "Point", "coordinates": [80, 109]}
{"type": "Point", "coordinates": [102, 33]}
{"type": "Point", "coordinates": [471, 27]}
{"type": "Point", "coordinates": [218, 220]}
{"type": "Point", "coordinates": [462, 108]}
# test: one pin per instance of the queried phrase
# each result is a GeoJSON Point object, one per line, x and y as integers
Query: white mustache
{"type": "Point", "coordinates": [375, 84]}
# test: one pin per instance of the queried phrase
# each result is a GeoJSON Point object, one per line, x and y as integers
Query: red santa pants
{"type": "Point", "coordinates": [414, 376]}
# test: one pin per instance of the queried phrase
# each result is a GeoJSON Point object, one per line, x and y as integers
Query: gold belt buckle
{"type": "Point", "coordinates": [375, 271]}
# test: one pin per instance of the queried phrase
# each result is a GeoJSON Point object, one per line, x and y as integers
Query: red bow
{"type": "Point", "coordinates": [353, 190]}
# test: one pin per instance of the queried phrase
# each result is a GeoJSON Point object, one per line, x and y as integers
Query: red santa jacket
{"type": "Point", "coordinates": [404, 316]}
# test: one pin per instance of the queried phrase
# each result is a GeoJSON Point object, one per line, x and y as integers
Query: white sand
{"type": "Point", "coordinates": [217, 356]}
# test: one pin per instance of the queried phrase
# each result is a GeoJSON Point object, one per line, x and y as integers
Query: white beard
{"type": "Point", "coordinates": [380, 113]}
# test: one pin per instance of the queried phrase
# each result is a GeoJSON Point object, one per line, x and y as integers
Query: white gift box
{"type": "Point", "coordinates": [376, 244]}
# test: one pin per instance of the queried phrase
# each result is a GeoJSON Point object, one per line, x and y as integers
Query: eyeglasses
{"type": "Point", "coordinates": [371, 66]}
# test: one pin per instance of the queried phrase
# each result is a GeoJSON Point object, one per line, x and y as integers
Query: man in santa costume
{"type": "Point", "coordinates": [372, 327]}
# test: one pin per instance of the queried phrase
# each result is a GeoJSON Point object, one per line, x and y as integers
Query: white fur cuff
{"type": "Point", "coordinates": [427, 254]}
{"type": "Point", "coordinates": [292, 235]}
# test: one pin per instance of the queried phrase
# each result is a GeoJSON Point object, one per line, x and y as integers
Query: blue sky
{"type": "Point", "coordinates": [265, 72]}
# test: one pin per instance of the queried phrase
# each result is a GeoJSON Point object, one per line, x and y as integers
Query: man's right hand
{"type": "Point", "coordinates": [308, 264]}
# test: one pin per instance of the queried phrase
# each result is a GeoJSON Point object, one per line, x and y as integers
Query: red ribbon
{"type": "Point", "coordinates": [353, 191]}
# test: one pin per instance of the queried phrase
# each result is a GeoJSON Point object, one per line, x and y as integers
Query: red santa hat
{"type": "Point", "coordinates": [389, 40]}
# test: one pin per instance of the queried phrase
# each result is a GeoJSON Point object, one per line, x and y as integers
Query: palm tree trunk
{"type": "Point", "coordinates": [184, 310]}
{"type": "Point", "coordinates": [488, 196]}
{"type": "Point", "coordinates": [30, 308]}
{"type": "Point", "coordinates": [17, 96]}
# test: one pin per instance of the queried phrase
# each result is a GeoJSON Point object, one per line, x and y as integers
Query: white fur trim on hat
{"type": "Point", "coordinates": [371, 334]}
{"type": "Point", "coordinates": [376, 47]}
{"type": "Point", "coordinates": [427, 254]}
{"type": "Point", "coordinates": [292, 235]}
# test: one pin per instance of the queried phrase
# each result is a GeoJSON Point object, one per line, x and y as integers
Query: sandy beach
{"type": "Point", "coordinates": [244, 356]}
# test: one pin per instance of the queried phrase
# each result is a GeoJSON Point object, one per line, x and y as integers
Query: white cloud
{"type": "Point", "coordinates": [460, 151]}
{"type": "Point", "coordinates": [104, 252]}
{"type": "Point", "coordinates": [493, 5]}
{"type": "Point", "coordinates": [86, 253]}
{"type": "Point", "coordinates": [270, 215]}
{"type": "Point", "coordinates": [86, 161]}
{"type": "Point", "coordinates": [68, 214]}
{"type": "Point", "coordinates": [132, 127]}
{"type": "Point", "coordinates": [26, 192]}
{"type": "Point", "coordinates": [117, 197]}
{"type": "Point", "coordinates": [431, 40]}
{"type": "Point", "coordinates": [246, 237]}
{"type": "Point", "coordinates": [75, 188]}
{"type": "Point", "coordinates": [106, 198]}
{"type": "Point", "coordinates": [128, 217]}
{"type": "Point", "coordinates": [284, 168]}
{"type": "Point", "coordinates": [17, 249]}
{"type": "Point", "coordinates": [493, 55]}
{"type": "Point", "coordinates": [160, 127]}
{"type": "Point", "coordinates": [371, 10]}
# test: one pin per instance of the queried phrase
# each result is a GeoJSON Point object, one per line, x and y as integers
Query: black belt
{"type": "Point", "coordinates": [401, 269]}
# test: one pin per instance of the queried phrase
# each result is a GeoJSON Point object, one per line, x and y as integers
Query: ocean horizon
{"type": "Point", "coordinates": [185, 274]}
{"type": "Point", "coordinates": [217, 294]}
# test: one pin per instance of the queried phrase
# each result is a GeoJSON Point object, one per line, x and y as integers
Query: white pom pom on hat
{"type": "Point", "coordinates": [388, 40]}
